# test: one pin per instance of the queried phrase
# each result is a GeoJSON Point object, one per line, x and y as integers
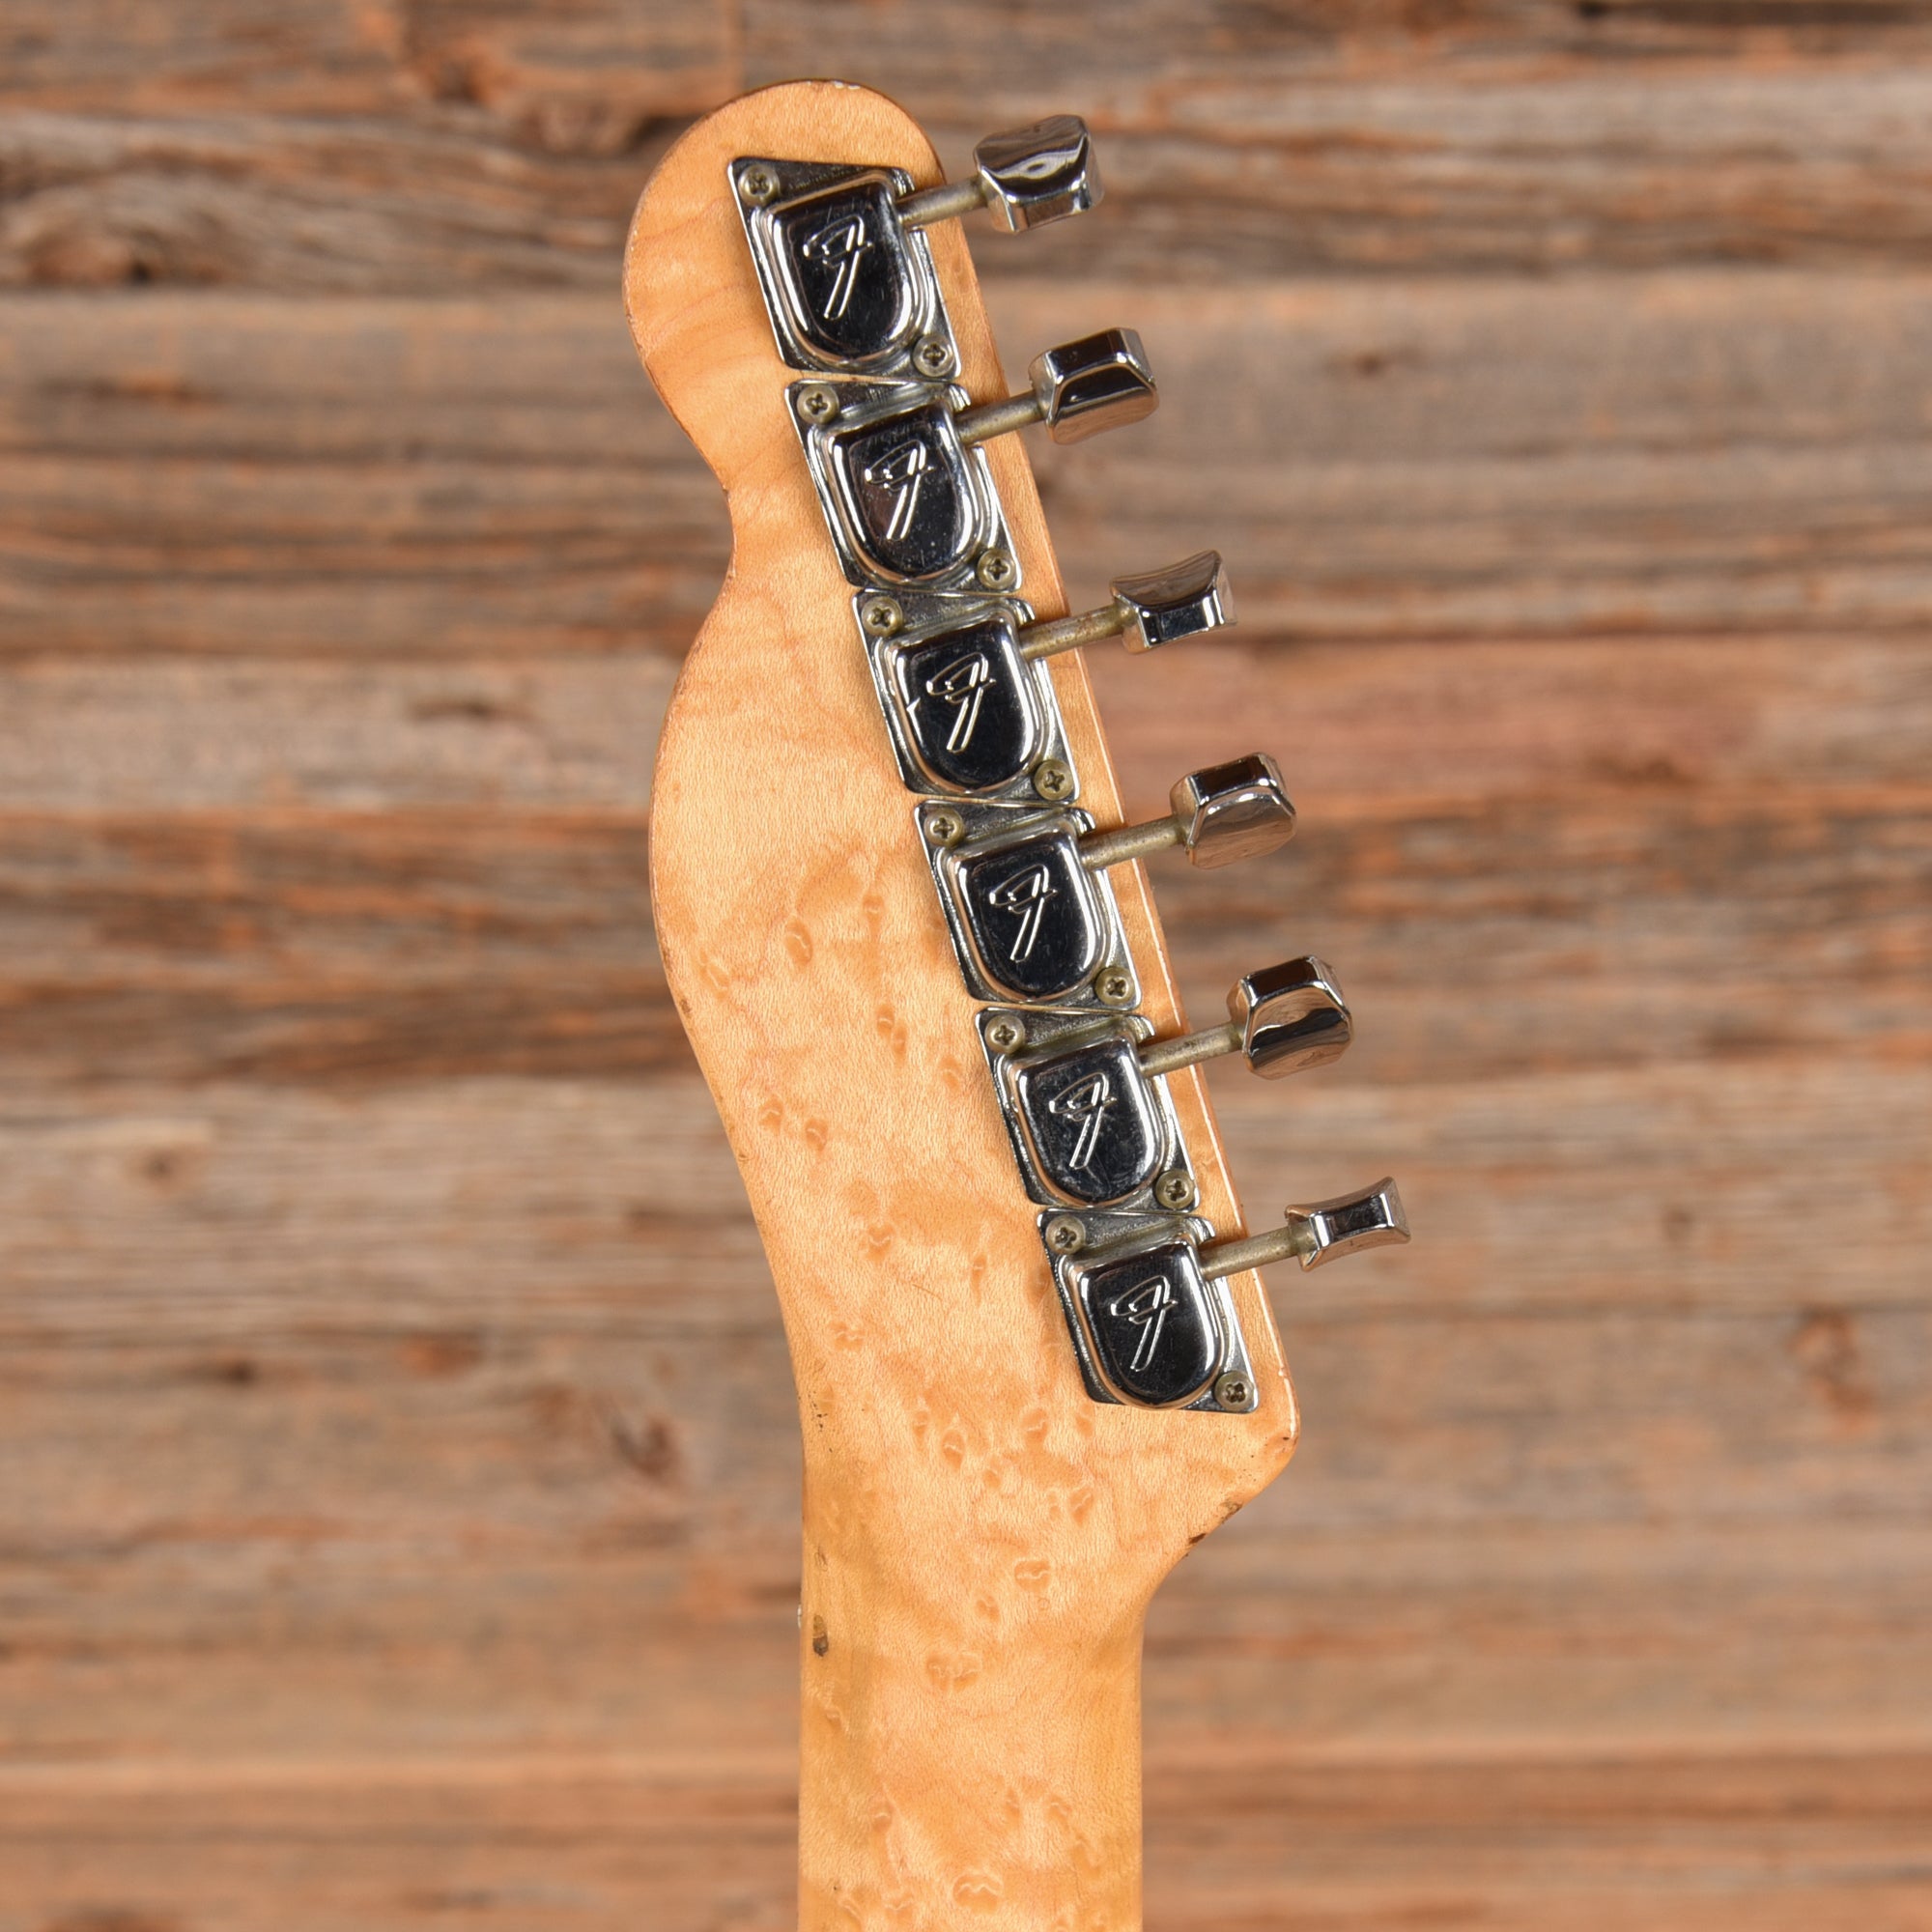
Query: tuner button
{"type": "Point", "coordinates": [1347, 1224]}
{"type": "Point", "coordinates": [1315, 1234]}
{"type": "Point", "coordinates": [1161, 607]}
{"type": "Point", "coordinates": [1031, 175]}
{"type": "Point", "coordinates": [1292, 1016]}
{"type": "Point", "coordinates": [1236, 810]}
{"type": "Point", "coordinates": [1101, 382]}
{"type": "Point", "coordinates": [1157, 606]}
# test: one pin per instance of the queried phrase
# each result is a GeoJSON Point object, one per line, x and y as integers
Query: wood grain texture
{"type": "Point", "coordinates": [980, 1537]}
{"type": "Point", "coordinates": [399, 1466]}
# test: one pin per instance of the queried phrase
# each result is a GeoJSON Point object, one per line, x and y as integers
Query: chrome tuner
{"type": "Point", "coordinates": [1026, 177]}
{"type": "Point", "coordinates": [1101, 382]}
{"type": "Point", "coordinates": [1032, 923]}
{"type": "Point", "coordinates": [1221, 813]}
{"type": "Point", "coordinates": [910, 498]}
{"type": "Point", "coordinates": [1158, 607]}
{"type": "Point", "coordinates": [1320, 1233]}
{"type": "Point", "coordinates": [1081, 1097]}
{"type": "Point", "coordinates": [1284, 1019]}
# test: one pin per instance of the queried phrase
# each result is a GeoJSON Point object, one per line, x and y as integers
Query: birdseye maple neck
{"type": "Point", "coordinates": [981, 1538]}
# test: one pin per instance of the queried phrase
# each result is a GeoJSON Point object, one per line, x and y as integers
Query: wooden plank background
{"type": "Point", "coordinates": [397, 1460]}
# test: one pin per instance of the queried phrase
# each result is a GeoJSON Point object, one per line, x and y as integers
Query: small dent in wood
{"type": "Point", "coordinates": [890, 1029]}
{"type": "Point", "coordinates": [435, 1355]}
{"type": "Point", "coordinates": [978, 1890]}
{"type": "Point", "coordinates": [951, 1671]}
{"type": "Point", "coordinates": [1825, 1345]}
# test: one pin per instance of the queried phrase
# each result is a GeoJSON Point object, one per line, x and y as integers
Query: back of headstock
{"type": "Point", "coordinates": [916, 954]}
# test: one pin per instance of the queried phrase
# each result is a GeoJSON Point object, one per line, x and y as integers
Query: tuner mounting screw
{"type": "Point", "coordinates": [881, 615]}
{"type": "Point", "coordinates": [1002, 1035]}
{"type": "Point", "coordinates": [757, 184]}
{"type": "Point", "coordinates": [996, 569]}
{"type": "Point", "coordinates": [1114, 986]}
{"type": "Point", "coordinates": [1064, 1235]}
{"type": "Point", "coordinates": [1234, 1391]}
{"type": "Point", "coordinates": [817, 402]}
{"type": "Point", "coordinates": [945, 827]}
{"type": "Point", "coordinates": [1175, 1189]}
{"type": "Point", "coordinates": [1053, 778]}
{"type": "Point", "coordinates": [933, 355]}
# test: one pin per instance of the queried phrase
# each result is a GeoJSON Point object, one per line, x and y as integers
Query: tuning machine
{"type": "Point", "coordinates": [1322, 1231]}
{"type": "Point", "coordinates": [1145, 1300]}
{"type": "Point", "coordinates": [964, 689]}
{"type": "Point", "coordinates": [899, 470]}
{"type": "Point", "coordinates": [1149, 609]}
{"type": "Point", "coordinates": [1090, 1117]}
{"type": "Point", "coordinates": [1026, 177]}
{"type": "Point", "coordinates": [846, 268]}
{"type": "Point", "coordinates": [1033, 922]}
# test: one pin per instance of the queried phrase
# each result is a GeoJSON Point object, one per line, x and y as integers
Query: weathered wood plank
{"type": "Point", "coordinates": [1598, 1532]}
{"type": "Point", "coordinates": [1154, 57]}
{"type": "Point", "coordinates": [177, 734]}
{"type": "Point", "coordinates": [1402, 727]}
{"type": "Point", "coordinates": [1613, 927]}
{"type": "Point", "coordinates": [581, 74]}
{"type": "Point", "coordinates": [434, 150]}
{"type": "Point", "coordinates": [573, 1206]}
{"type": "Point", "coordinates": [535, 1449]}
{"type": "Point", "coordinates": [1722, 1844]}
{"type": "Point", "coordinates": [1672, 455]}
{"type": "Point", "coordinates": [1694, 452]}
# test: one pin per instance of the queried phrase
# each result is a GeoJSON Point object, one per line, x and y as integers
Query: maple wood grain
{"type": "Point", "coordinates": [970, 1700]}
{"type": "Point", "coordinates": [400, 1460]}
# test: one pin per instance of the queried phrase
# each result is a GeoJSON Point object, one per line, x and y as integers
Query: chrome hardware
{"type": "Point", "coordinates": [1085, 1102]}
{"type": "Point", "coordinates": [1286, 1019]}
{"type": "Point", "coordinates": [1090, 1128]}
{"type": "Point", "coordinates": [1159, 607]}
{"type": "Point", "coordinates": [1148, 1326]}
{"type": "Point", "coordinates": [1027, 176]}
{"type": "Point", "coordinates": [1320, 1233]}
{"type": "Point", "coordinates": [1020, 892]}
{"type": "Point", "coordinates": [907, 502]}
{"type": "Point", "coordinates": [1035, 922]}
{"type": "Point", "coordinates": [847, 285]}
{"type": "Point", "coordinates": [1030, 923]}
{"type": "Point", "coordinates": [1101, 382]}
{"type": "Point", "coordinates": [846, 273]}
{"type": "Point", "coordinates": [1083, 1097]}
{"type": "Point", "coordinates": [906, 489]}
{"type": "Point", "coordinates": [966, 711]}
{"type": "Point", "coordinates": [1222, 813]}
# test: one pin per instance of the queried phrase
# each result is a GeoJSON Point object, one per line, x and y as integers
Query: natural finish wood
{"type": "Point", "coordinates": [398, 1456]}
{"type": "Point", "coordinates": [981, 1538]}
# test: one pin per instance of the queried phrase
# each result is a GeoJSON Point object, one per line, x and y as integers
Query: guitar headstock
{"type": "Point", "coordinates": [911, 938]}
